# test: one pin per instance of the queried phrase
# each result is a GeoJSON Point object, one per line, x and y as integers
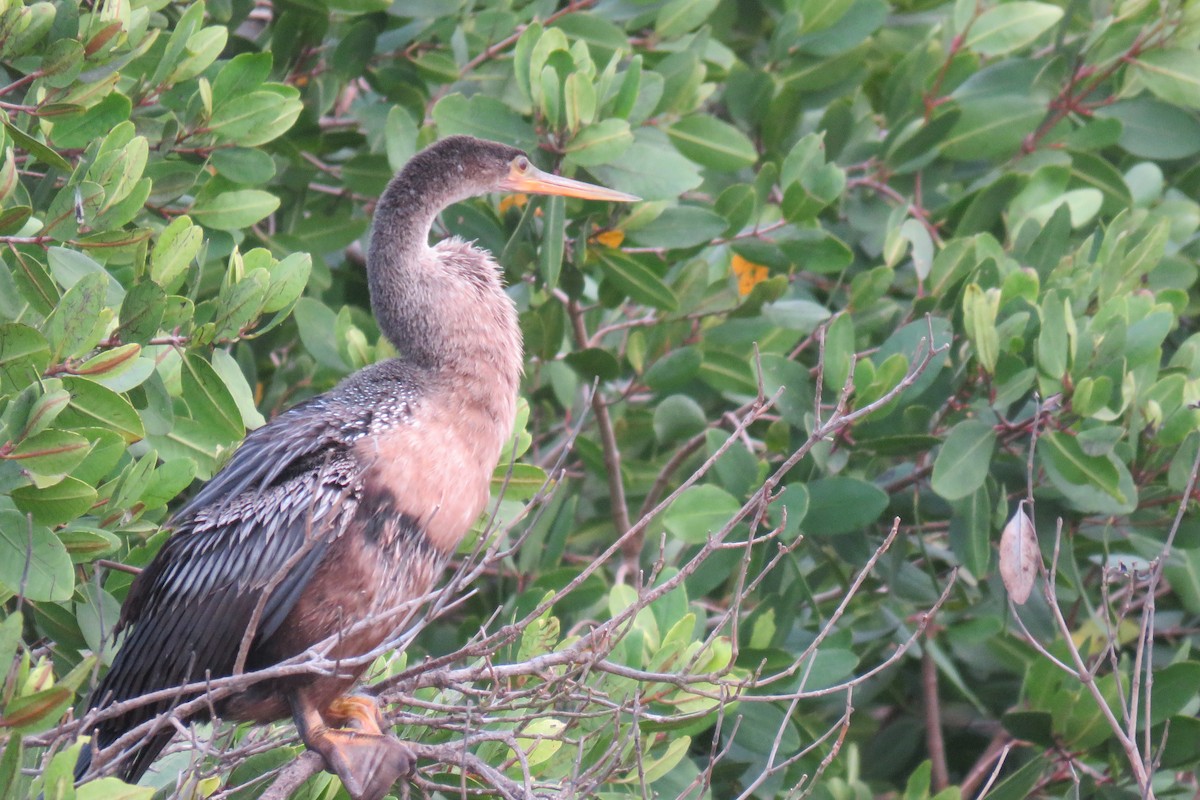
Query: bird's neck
{"type": "Point", "coordinates": [444, 308]}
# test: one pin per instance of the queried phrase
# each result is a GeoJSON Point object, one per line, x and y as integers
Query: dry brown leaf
{"type": "Point", "coordinates": [1019, 556]}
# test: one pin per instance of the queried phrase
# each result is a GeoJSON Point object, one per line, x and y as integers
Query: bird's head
{"type": "Point", "coordinates": [477, 166]}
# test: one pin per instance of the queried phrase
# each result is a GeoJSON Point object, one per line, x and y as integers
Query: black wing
{"type": "Point", "coordinates": [242, 553]}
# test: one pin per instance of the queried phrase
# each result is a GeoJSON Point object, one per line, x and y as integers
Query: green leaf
{"type": "Point", "coordinates": [13, 219]}
{"type": "Point", "coordinates": [79, 130]}
{"type": "Point", "coordinates": [540, 739]}
{"type": "Point", "coordinates": [41, 152]}
{"type": "Point", "coordinates": [970, 530]}
{"type": "Point", "coordinates": [799, 315]}
{"type": "Point", "coordinates": [24, 355]}
{"type": "Point", "coordinates": [243, 165]}
{"type": "Point", "coordinates": [652, 171]}
{"type": "Point", "coordinates": [680, 16]}
{"type": "Point", "coordinates": [821, 14]}
{"type": "Point", "coordinates": [729, 372]}
{"type": "Point", "coordinates": [519, 482]}
{"type": "Point", "coordinates": [700, 511]}
{"type": "Point", "coordinates": [993, 128]}
{"type": "Point", "coordinates": [142, 312]}
{"type": "Point", "coordinates": [1010, 26]}
{"type": "Point", "coordinates": [232, 211]}
{"type": "Point", "coordinates": [85, 545]}
{"type": "Point", "coordinates": [357, 7]}
{"type": "Point", "coordinates": [810, 183]}
{"type": "Point", "coordinates": [354, 51]}
{"type": "Point", "coordinates": [676, 417]}
{"type": "Point", "coordinates": [55, 504]}
{"type": "Point", "coordinates": [918, 782]}
{"type": "Point", "coordinates": [551, 250]}
{"type": "Point", "coordinates": [68, 266]}
{"type": "Point", "coordinates": [635, 280]}
{"type": "Point", "coordinates": [94, 405]}
{"type": "Point", "coordinates": [1033, 726]}
{"type": "Point", "coordinates": [239, 76]}
{"type": "Point", "coordinates": [1099, 173]}
{"type": "Point", "coordinates": [579, 100]}
{"type": "Point", "coordinates": [258, 118]}
{"type": "Point", "coordinates": [817, 250]}
{"type": "Point", "coordinates": [1153, 129]}
{"type": "Point", "coordinates": [593, 362]}
{"type": "Point", "coordinates": [963, 463]}
{"type": "Point", "coordinates": [315, 322]}
{"type": "Point", "coordinates": [120, 368]}
{"type": "Point", "coordinates": [680, 227]}
{"type": "Point", "coordinates": [1173, 75]}
{"type": "Point", "coordinates": [288, 279]}
{"type": "Point", "coordinates": [34, 712]}
{"type": "Point", "coordinates": [789, 508]}
{"type": "Point", "coordinates": [979, 319]}
{"type": "Point", "coordinates": [1019, 785]}
{"type": "Point", "coordinates": [1175, 687]}
{"type": "Point", "coordinates": [712, 143]}
{"type": "Point", "coordinates": [483, 117]}
{"type": "Point", "coordinates": [401, 137]}
{"type": "Point", "coordinates": [50, 454]}
{"type": "Point", "coordinates": [1053, 346]}
{"type": "Point", "coordinates": [201, 51]}
{"type": "Point", "coordinates": [79, 321]}
{"type": "Point", "coordinates": [908, 150]}
{"type": "Point", "coordinates": [842, 505]}
{"type": "Point", "coordinates": [601, 143]}
{"type": "Point", "coordinates": [335, 233]}
{"type": "Point", "coordinates": [1067, 464]}
{"type": "Point", "coordinates": [167, 482]}
{"type": "Point", "coordinates": [1183, 571]}
{"type": "Point", "coordinates": [239, 304]}
{"type": "Point", "coordinates": [674, 369]}
{"type": "Point", "coordinates": [209, 402]}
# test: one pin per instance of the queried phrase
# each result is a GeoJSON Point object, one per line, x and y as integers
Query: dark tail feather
{"type": "Point", "coordinates": [147, 750]}
{"type": "Point", "coordinates": [133, 767]}
{"type": "Point", "coordinates": [84, 762]}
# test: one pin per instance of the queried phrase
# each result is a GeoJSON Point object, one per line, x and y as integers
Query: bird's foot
{"type": "Point", "coordinates": [356, 712]}
{"type": "Point", "coordinates": [369, 764]}
{"type": "Point", "coordinates": [349, 736]}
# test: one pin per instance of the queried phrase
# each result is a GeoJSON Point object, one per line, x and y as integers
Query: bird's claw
{"type": "Point", "coordinates": [369, 764]}
{"type": "Point", "coordinates": [349, 735]}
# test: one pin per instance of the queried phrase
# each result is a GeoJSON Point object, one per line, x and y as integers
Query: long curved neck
{"type": "Point", "coordinates": [407, 316]}
{"type": "Point", "coordinates": [443, 308]}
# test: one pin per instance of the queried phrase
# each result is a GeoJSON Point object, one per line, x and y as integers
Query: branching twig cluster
{"type": "Point", "coordinates": [1128, 716]}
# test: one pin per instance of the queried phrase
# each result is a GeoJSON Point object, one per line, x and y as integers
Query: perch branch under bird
{"type": "Point", "coordinates": [346, 507]}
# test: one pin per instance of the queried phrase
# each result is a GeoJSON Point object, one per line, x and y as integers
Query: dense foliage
{"type": "Point", "coordinates": [912, 260]}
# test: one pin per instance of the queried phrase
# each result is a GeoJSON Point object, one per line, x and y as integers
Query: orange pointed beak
{"type": "Point", "coordinates": [532, 180]}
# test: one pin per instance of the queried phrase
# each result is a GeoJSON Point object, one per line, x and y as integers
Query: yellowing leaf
{"type": "Point", "coordinates": [610, 238]}
{"type": "Point", "coordinates": [748, 274]}
{"type": "Point", "coordinates": [513, 201]}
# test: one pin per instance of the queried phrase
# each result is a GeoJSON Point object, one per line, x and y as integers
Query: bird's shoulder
{"type": "Point", "coordinates": [315, 436]}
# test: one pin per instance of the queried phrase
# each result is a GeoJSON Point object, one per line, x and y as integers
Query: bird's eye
{"type": "Point", "coordinates": [522, 163]}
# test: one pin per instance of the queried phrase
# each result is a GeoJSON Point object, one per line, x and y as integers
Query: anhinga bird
{"type": "Point", "coordinates": [330, 522]}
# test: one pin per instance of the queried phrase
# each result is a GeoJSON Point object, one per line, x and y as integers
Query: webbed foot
{"type": "Point", "coordinates": [368, 764]}
{"type": "Point", "coordinates": [349, 736]}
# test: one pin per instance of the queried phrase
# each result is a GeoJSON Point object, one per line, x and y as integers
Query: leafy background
{"type": "Point", "coordinates": [896, 260]}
